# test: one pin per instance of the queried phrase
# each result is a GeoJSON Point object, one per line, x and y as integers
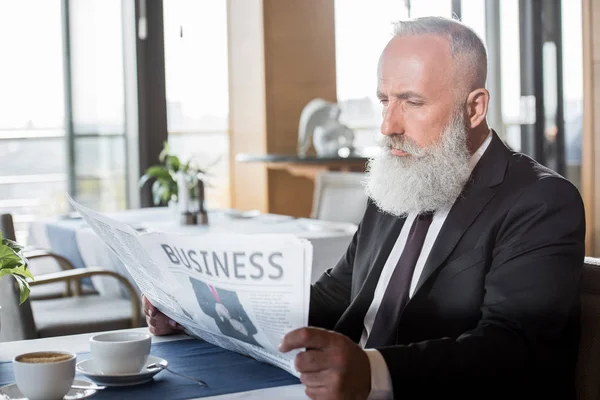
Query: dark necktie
{"type": "Point", "coordinates": [384, 330]}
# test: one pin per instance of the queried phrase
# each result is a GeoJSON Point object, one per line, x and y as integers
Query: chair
{"type": "Point", "coordinates": [588, 364]}
{"type": "Point", "coordinates": [339, 197]}
{"type": "Point", "coordinates": [67, 315]}
{"type": "Point", "coordinates": [58, 304]}
{"type": "Point", "coordinates": [43, 262]}
{"type": "Point", "coordinates": [7, 227]}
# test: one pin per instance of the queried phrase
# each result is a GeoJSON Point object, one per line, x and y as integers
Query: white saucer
{"type": "Point", "coordinates": [12, 392]}
{"type": "Point", "coordinates": [237, 214]}
{"type": "Point", "coordinates": [91, 370]}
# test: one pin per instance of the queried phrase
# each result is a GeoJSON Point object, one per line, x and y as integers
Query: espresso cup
{"type": "Point", "coordinates": [46, 375]}
{"type": "Point", "coordinates": [120, 352]}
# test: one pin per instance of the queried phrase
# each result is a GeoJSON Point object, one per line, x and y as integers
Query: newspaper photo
{"type": "Point", "coordinates": [242, 292]}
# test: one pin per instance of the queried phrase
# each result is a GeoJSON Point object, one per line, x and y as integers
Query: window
{"type": "Point", "coordinates": [512, 115]}
{"type": "Point", "coordinates": [98, 99]}
{"type": "Point", "coordinates": [197, 87]}
{"type": "Point", "coordinates": [473, 15]}
{"type": "Point", "coordinates": [34, 123]}
{"type": "Point", "coordinates": [572, 55]}
{"type": "Point", "coordinates": [362, 30]}
{"type": "Point", "coordinates": [430, 8]}
{"type": "Point", "coordinates": [33, 177]}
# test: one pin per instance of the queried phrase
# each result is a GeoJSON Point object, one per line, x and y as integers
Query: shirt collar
{"type": "Point", "coordinates": [479, 152]}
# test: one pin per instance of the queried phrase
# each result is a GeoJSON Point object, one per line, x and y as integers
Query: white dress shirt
{"type": "Point", "coordinates": [381, 382]}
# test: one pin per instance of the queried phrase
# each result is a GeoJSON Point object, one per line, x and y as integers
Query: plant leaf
{"type": "Point", "coordinates": [23, 288]}
{"type": "Point", "coordinates": [24, 272]}
{"type": "Point", "coordinates": [173, 163]}
{"type": "Point", "coordinates": [12, 262]}
{"type": "Point", "coordinates": [157, 171]}
{"type": "Point", "coordinates": [165, 152]}
{"type": "Point", "coordinates": [156, 190]}
{"type": "Point", "coordinates": [9, 259]}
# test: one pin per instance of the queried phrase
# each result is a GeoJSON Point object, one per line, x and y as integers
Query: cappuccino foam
{"type": "Point", "coordinates": [44, 357]}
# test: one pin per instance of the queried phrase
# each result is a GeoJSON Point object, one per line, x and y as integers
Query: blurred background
{"type": "Point", "coordinates": [91, 89]}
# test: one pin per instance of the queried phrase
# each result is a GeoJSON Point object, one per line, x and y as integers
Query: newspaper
{"type": "Point", "coordinates": [242, 292]}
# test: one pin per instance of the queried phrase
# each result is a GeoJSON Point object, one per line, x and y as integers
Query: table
{"type": "Point", "coordinates": [79, 343]}
{"type": "Point", "coordinates": [75, 240]}
{"type": "Point", "coordinates": [309, 166]}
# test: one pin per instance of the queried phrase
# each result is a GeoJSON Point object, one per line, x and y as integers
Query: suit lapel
{"type": "Point", "coordinates": [350, 323]}
{"type": "Point", "coordinates": [488, 173]}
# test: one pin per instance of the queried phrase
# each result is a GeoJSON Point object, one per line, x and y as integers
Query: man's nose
{"type": "Point", "coordinates": [393, 120]}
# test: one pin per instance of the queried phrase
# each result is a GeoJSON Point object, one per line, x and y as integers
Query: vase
{"type": "Point", "coordinates": [173, 208]}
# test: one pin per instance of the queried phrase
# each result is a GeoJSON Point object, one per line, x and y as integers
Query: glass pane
{"type": "Point", "coordinates": [427, 8]}
{"type": "Point", "coordinates": [473, 15]}
{"type": "Point", "coordinates": [572, 87]}
{"type": "Point", "coordinates": [550, 95]}
{"type": "Point", "coordinates": [197, 89]}
{"type": "Point", "coordinates": [207, 150]}
{"type": "Point", "coordinates": [100, 172]}
{"type": "Point", "coordinates": [31, 77]}
{"type": "Point", "coordinates": [511, 71]}
{"type": "Point", "coordinates": [357, 55]}
{"type": "Point", "coordinates": [97, 66]}
{"type": "Point", "coordinates": [196, 65]}
{"type": "Point", "coordinates": [35, 157]}
{"type": "Point", "coordinates": [33, 198]}
{"type": "Point", "coordinates": [32, 145]}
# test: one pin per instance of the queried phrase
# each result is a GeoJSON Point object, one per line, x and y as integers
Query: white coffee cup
{"type": "Point", "coordinates": [120, 352]}
{"type": "Point", "coordinates": [46, 375]}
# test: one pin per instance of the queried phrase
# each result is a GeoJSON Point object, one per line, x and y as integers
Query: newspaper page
{"type": "Point", "coordinates": [242, 292]}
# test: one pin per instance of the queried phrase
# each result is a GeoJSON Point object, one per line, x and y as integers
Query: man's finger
{"type": "Point", "coordinates": [160, 331]}
{"type": "Point", "coordinates": [158, 322]}
{"type": "Point", "coordinates": [314, 379]}
{"type": "Point", "coordinates": [313, 338]}
{"type": "Point", "coordinates": [163, 326]}
{"type": "Point", "coordinates": [149, 309]}
{"type": "Point", "coordinates": [311, 361]}
{"type": "Point", "coordinates": [316, 393]}
{"type": "Point", "coordinates": [161, 321]}
{"type": "Point", "coordinates": [175, 325]}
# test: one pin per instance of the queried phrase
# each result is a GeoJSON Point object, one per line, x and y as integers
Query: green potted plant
{"type": "Point", "coordinates": [13, 262]}
{"type": "Point", "coordinates": [164, 187]}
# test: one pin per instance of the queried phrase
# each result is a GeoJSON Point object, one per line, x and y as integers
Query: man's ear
{"type": "Point", "coordinates": [477, 107]}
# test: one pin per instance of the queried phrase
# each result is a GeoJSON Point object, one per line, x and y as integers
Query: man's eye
{"type": "Point", "coordinates": [383, 101]}
{"type": "Point", "coordinates": [414, 103]}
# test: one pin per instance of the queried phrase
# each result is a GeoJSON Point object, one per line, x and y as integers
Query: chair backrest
{"type": "Point", "coordinates": [7, 226]}
{"type": "Point", "coordinates": [16, 321]}
{"type": "Point", "coordinates": [339, 197]}
{"type": "Point", "coordinates": [588, 364]}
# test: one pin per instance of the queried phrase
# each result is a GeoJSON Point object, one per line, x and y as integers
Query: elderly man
{"type": "Point", "coordinates": [463, 276]}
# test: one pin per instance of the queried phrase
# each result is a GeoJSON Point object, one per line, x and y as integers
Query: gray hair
{"type": "Point", "coordinates": [466, 46]}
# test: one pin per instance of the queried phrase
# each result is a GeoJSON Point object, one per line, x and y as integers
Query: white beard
{"type": "Point", "coordinates": [429, 179]}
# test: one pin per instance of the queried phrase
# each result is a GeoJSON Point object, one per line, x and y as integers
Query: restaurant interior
{"type": "Point", "coordinates": [200, 118]}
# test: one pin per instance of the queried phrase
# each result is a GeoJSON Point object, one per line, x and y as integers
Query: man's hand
{"type": "Point", "coordinates": [332, 367]}
{"type": "Point", "coordinates": [158, 322]}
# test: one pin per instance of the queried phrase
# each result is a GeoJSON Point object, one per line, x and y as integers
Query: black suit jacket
{"type": "Point", "coordinates": [495, 312]}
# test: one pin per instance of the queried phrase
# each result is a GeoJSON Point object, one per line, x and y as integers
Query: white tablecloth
{"type": "Point", "coordinates": [329, 239]}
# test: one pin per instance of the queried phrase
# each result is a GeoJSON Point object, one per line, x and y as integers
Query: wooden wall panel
{"type": "Point", "coordinates": [294, 194]}
{"type": "Point", "coordinates": [300, 49]}
{"type": "Point", "coordinates": [591, 123]}
{"type": "Point", "coordinates": [247, 106]}
{"type": "Point", "coordinates": [281, 56]}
